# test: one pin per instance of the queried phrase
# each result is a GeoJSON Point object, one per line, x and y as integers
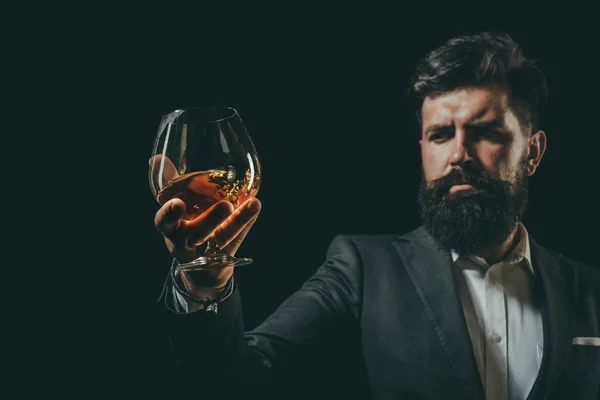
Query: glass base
{"type": "Point", "coordinates": [214, 262]}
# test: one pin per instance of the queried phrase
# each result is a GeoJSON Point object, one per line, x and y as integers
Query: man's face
{"type": "Point", "coordinates": [476, 156]}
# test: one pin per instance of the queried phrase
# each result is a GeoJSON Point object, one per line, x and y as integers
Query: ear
{"type": "Point", "coordinates": [536, 150]}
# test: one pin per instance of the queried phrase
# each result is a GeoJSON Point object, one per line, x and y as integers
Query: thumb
{"type": "Point", "coordinates": [168, 217]}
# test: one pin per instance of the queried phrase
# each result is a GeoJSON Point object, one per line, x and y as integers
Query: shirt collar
{"type": "Point", "coordinates": [521, 252]}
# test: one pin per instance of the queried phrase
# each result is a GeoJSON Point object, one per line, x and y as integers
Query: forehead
{"type": "Point", "coordinates": [465, 105]}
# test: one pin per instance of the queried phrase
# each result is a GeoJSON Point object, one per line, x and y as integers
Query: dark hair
{"type": "Point", "coordinates": [481, 59]}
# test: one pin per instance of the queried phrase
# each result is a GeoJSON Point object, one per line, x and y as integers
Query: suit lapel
{"type": "Point", "coordinates": [430, 269]}
{"type": "Point", "coordinates": [557, 292]}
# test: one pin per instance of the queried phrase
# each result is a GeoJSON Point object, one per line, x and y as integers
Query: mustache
{"type": "Point", "coordinates": [469, 176]}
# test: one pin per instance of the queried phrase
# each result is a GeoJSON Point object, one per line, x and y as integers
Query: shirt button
{"type": "Point", "coordinates": [496, 338]}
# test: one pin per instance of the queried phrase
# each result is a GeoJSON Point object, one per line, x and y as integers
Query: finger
{"type": "Point", "coordinates": [231, 233]}
{"type": "Point", "coordinates": [163, 168]}
{"type": "Point", "coordinates": [168, 217]}
{"type": "Point", "coordinates": [203, 226]}
{"type": "Point", "coordinates": [232, 247]}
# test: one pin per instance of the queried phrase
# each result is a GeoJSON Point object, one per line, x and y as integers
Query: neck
{"type": "Point", "coordinates": [498, 253]}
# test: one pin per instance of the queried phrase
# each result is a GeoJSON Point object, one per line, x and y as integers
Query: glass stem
{"type": "Point", "coordinates": [212, 249]}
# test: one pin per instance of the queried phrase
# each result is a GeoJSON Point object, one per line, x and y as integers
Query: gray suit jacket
{"type": "Point", "coordinates": [382, 319]}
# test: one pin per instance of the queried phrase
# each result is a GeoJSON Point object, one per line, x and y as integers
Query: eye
{"type": "Point", "coordinates": [439, 137]}
{"type": "Point", "coordinates": [489, 134]}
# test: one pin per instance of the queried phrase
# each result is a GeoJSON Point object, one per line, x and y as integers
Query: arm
{"type": "Point", "coordinates": [214, 349]}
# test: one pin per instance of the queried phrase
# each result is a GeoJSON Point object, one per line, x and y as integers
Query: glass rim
{"type": "Point", "coordinates": [171, 116]}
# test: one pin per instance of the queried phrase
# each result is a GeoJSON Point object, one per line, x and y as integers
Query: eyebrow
{"type": "Point", "coordinates": [491, 124]}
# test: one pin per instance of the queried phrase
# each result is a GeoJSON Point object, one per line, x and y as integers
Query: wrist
{"type": "Point", "coordinates": [200, 292]}
{"type": "Point", "coordinates": [203, 281]}
{"type": "Point", "coordinates": [206, 298]}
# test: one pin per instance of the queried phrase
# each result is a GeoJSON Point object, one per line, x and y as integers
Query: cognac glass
{"type": "Point", "coordinates": [203, 155]}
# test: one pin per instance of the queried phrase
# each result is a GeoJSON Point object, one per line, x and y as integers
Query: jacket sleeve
{"type": "Point", "coordinates": [213, 350]}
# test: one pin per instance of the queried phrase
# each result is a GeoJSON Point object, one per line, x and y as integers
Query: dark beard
{"type": "Point", "coordinates": [473, 220]}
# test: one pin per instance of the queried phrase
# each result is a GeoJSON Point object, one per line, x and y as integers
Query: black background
{"type": "Point", "coordinates": [321, 94]}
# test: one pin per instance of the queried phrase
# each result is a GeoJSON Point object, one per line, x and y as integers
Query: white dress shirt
{"type": "Point", "coordinates": [504, 323]}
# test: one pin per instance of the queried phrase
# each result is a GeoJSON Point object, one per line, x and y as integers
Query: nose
{"type": "Point", "coordinates": [462, 154]}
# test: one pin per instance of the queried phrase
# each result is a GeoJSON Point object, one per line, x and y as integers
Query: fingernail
{"type": "Point", "coordinates": [172, 206]}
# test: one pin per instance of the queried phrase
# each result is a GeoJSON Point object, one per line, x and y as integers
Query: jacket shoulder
{"type": "Point", "coordinates": [586, 272]}
{"type": "Point", "coordinates": [384, 238]}
{"type": "Point", "coordinates": [363, 242]}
